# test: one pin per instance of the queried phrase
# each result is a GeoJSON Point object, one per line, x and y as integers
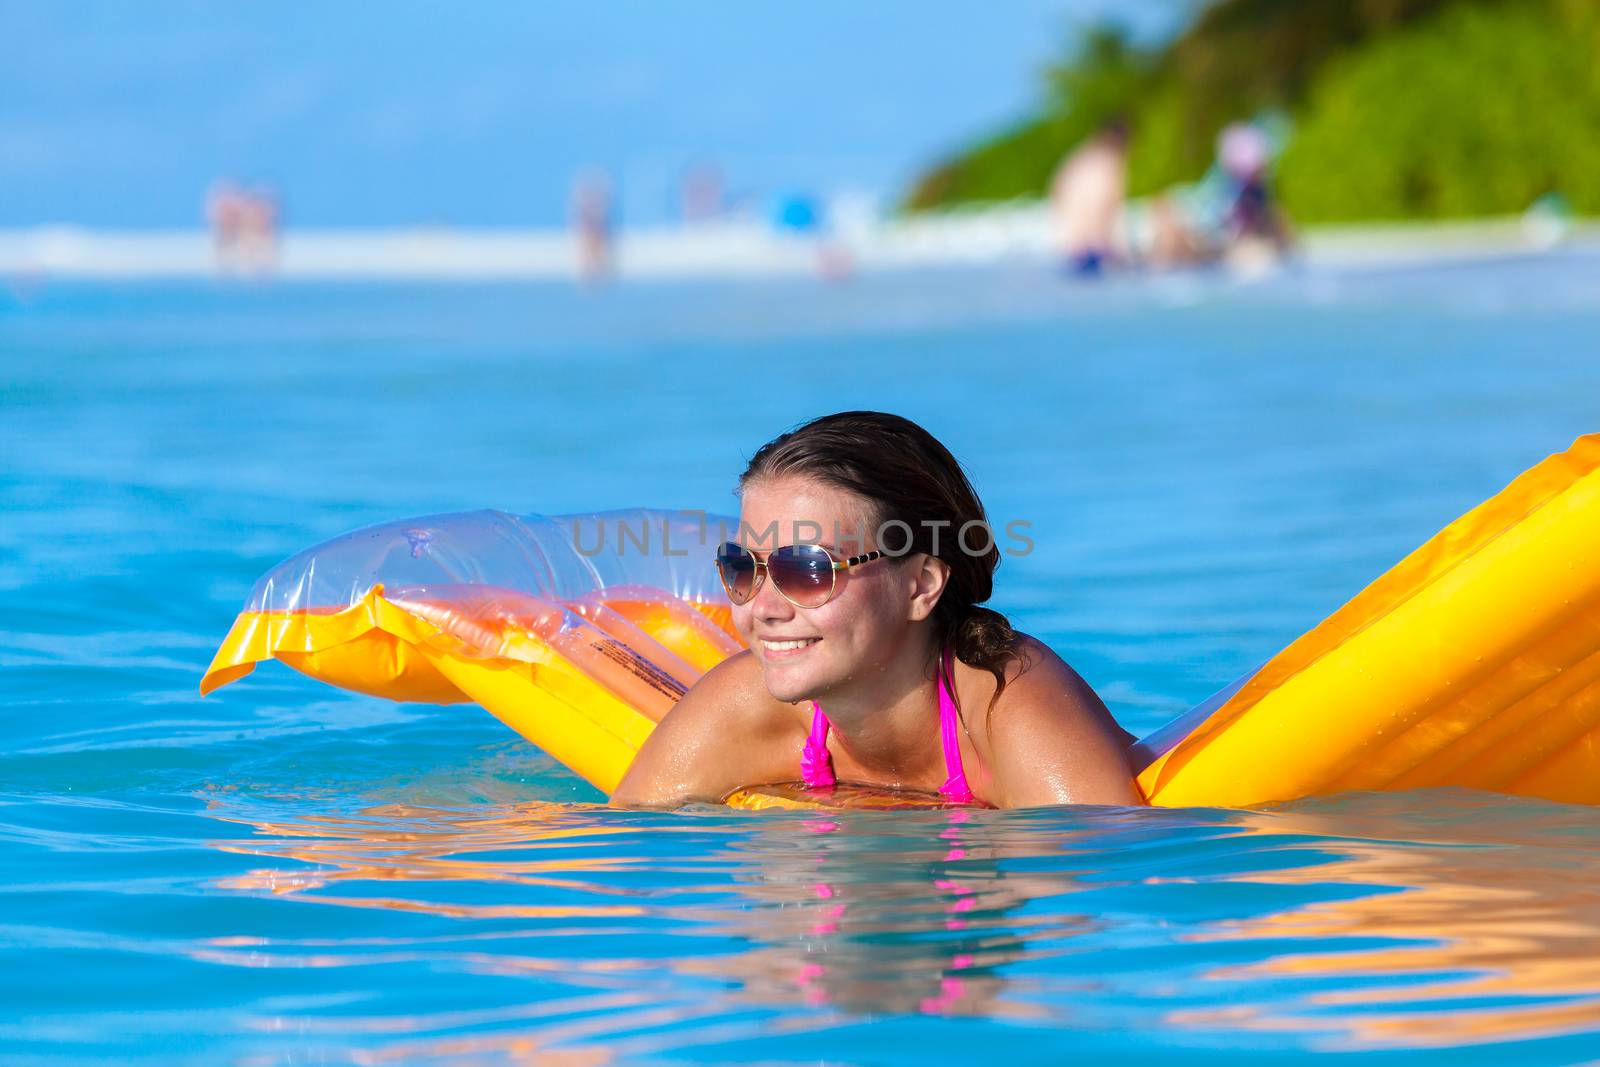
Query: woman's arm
{"type": "Point", "coordinates": [719, 737]}
{"type": "Point", "coordinates": [1052, 741]}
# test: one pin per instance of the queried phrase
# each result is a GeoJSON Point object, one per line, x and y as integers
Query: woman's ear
{"type": "Point", "coordinates": [929, 574]}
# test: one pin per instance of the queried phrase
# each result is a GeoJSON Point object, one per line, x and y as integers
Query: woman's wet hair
{"type": "Point", "coordinates": [920, 495]}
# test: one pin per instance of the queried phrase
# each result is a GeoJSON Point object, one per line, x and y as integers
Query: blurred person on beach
{"type": "Point", "coordinates": [258, 227]}
{"type": "Point", "coordinates": [1174, 241]}
{"type": "Point", "coordinates": [224, 209]}
{"type": "Point", "coordinates": [1087, 195]}
{"type": "Point", "coordinates": [801, 216]}
{"type": "Point", "coordinates": [1255, 232]}
{"type": "Point", "coordinates": [592, 223]}
{"type": "Point", "coordinates": [244, 227]}
{"type": "Point", "coordinates": [702, 194]}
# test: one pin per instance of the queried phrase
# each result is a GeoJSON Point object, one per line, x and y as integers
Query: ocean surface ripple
{"type": "Point", "coordinates": [288, 873]}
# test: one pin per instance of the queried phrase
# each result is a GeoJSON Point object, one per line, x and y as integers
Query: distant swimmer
{"type": "Point", "coordinates": [1087, 196]}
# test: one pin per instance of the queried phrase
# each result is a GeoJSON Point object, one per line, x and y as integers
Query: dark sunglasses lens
{"type": "Point", "coordinates": [803, 573]}
{"type": "Point", "coordinates": [738, 570]}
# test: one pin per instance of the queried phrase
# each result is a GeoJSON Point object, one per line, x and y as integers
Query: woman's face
{"type": "Point", "coordinates": [805, 653]}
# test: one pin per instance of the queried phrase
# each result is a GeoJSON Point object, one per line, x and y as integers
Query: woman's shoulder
{"type": "Point", "coordinates": [733, 692]}
{"type": "Point", "coordinates": [1035, 663]}
{"type": "Point", "coordinates": [1031, 666]}
{"type": "Point", "coordinates": [1047, 737]}
{"type": "Point", "coordinates": [1039, 686]}
{"type": "Point", "coordinates": [726, 732]}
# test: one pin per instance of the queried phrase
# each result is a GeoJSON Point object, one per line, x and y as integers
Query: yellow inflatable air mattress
{"type": "Point", "coordinates": [1474, 662]}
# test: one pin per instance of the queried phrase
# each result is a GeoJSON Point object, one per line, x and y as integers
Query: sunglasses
{"type": "Point", "coordinates": [804, 575]}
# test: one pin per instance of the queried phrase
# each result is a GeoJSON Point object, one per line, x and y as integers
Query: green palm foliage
{"type": "Point", "coordinates": [1400, 108]}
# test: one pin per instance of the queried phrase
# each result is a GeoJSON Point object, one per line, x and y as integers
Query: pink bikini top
{"type": "Point", "coordinates": [816, 765]}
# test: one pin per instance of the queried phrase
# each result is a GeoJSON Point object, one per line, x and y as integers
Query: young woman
{"type": "Point", "coordinates": [862, 558]}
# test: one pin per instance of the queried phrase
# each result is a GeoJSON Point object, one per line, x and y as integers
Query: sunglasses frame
{"type": "Point", "coordinates": [761, 568]}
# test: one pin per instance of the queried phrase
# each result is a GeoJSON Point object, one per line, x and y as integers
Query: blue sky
{"type": "Point", "coordinates": [118, 114]}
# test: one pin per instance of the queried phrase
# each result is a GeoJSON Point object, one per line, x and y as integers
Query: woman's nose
{"type": "Point", "coordinates": [769, 605]}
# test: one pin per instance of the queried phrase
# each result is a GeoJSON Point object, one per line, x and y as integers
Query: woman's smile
{"type": "Point", "coordinates": [784, 648]}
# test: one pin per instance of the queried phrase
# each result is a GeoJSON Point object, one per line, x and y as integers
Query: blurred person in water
{"type": "Point", "coordinates": [857, 578]}
{"type": "Point", "coordinates": [1087, 196]}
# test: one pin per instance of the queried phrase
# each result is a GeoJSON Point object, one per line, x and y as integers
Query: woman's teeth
{"type": "Point", "coordinates": [789, 646]}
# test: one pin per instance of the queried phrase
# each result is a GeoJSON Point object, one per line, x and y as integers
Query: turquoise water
{"type": "Point", "coordinates": [285, 873]}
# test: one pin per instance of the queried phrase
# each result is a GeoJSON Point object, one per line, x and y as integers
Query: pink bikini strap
{"type": "Point", "coordinates": [816, 766]}
{"type": "Point", "coordinates": [955, 786]}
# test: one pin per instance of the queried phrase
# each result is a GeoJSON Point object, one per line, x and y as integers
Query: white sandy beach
{"type": "Point", "coordinates": [732, 249]}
